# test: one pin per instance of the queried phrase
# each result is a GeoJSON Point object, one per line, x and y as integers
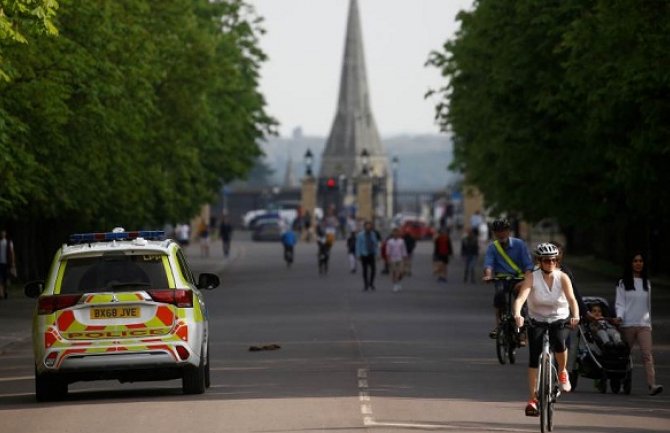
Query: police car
{"type": "Point", "coordinates": [120, 305]}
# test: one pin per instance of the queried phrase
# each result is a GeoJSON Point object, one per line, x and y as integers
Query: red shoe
{"type": "Point", "coordinates": [531, 408]}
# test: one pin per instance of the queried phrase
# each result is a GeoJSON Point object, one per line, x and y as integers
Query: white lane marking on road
{"type": "Point", "coordinates": [364, 397]}
{"type": "Point", "coordinates": [9, 379]}
{"type": "Point", "coordinates": [370, 422]}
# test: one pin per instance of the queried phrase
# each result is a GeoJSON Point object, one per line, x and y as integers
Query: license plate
{"type": "Point", "coordinates": [115, 312]}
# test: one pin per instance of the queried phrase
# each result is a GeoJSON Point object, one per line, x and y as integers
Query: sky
{"type": "Point", "coordinates": [304, 40]}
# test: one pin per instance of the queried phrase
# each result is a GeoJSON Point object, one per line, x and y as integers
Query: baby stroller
{"type": "Point", "coordinates": [599, 361]}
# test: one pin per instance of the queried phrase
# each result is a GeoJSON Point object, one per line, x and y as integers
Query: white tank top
{"type": "Point", "coordinates": [547, 304]}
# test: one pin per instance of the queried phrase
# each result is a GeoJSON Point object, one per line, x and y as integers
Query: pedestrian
{"type": "Point", "coordinates": [367, 245]}
{"type": "Point", "coordinates": [226, 233]}
{"type": "Point", "coordinates": [307, 226]}
{"type": "Point", "coordinates": [288, 241]}
{"type": "Point", "coordinates": [183, 234]}
{"type": "Point", "coordinates": [483, 235]}
{"type": "Point", "coordinates": [441, 254]}
{"type": "Point", "coordinates": [323, 250]}
{"type": "Point", "coordinates": [410, 245]}
{"type": "Point", "coordinates": [385, 260]}
{"type": "Point", "coordinates": [475, 221]}
{"type": "Point", "coordinates": [470, 254]}
{"type": "Point", "coordinates": [203, 235]}
{"type": "Point", "coordinates": [7, 263]}
{"type": "Point", "coordinates": [633, 314]}
{"type": "Point", "coordinates": [396, 253]}
{"type": "Point", "coordinates": [351, 251]}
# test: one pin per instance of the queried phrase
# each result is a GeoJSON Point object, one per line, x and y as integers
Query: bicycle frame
{"type": "Point", "coordinates": [507, 334]}
{"type": "Point", "coordinates": [546, 385]}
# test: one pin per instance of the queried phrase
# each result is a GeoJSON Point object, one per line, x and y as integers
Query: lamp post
{"type": "Point", "coordinates": [394, 164]}
{"type": "Point", "coordinates": [365, 160]}
{"type": "Point", "coordinates": [309, 158]}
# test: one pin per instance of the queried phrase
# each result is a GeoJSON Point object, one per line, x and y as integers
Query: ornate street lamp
{"type": "Point", "coordinates": [365, 160]}
{"type": "Point", "coordinates": [309, 158]}
{"type": "Point", "coordinates": [395, 162]}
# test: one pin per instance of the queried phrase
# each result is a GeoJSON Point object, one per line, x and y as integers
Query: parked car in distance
{"type": "Point", "coordinates": [268, 230]}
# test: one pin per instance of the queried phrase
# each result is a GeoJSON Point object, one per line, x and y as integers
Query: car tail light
{"type": "Point", "coordinates": [52, 303]}
{"type": "Point", "coordinates": [182, 352]}
{"type": "Point", "coordinates": [182, 298]}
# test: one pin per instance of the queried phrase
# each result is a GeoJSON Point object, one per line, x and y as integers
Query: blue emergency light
{"type": "Point", "coordinates": [150, 235]}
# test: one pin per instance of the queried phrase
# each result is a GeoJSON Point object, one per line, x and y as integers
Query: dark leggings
{"type": "Point", "coordinates": [558, 332]}
{"type": "Point", "coordinates": [368, 265]}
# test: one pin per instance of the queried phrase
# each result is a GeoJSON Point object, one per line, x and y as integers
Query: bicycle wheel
{"type": "Point", "coordinates": [501, 344]}
{"type": "Point", "coordinates": [544, 394]}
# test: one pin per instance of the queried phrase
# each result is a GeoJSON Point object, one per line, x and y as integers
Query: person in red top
{"type": "Point", "coordinates": [441, 254]}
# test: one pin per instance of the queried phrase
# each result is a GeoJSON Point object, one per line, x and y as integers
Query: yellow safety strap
{"type": "Point", "coordinates": [507, 258]}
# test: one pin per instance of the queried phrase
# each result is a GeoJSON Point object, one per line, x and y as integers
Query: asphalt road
{"type": "Point", "coordinates": [349, 361]}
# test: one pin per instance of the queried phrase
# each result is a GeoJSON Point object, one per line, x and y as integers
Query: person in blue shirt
{"type": "Point", "coordinates": [517, 263]}
{"type": "Point", "coordinates": [288, 240]}
{"type": "Point", "coordinates": [367, 247]}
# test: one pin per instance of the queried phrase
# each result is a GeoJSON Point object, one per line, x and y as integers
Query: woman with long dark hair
{"type": "Point", "coordinates": [633, 310]}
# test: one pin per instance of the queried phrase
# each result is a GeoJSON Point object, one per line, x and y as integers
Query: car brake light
{"type": "Point", "coordinates": [50, 304]}
{"type": "Point", "coordinates": [182, 298]}
{"type": "Point", "coordinates": [182, 352]}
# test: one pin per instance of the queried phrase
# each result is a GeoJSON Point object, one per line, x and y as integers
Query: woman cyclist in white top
{"type": "Point", "coordinates": [550, 300]}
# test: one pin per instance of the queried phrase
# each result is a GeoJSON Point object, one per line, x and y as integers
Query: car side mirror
{"type": "Point", "coordinates": [208, 281]}
{"type": "Point", "coordinates": [34, 289]}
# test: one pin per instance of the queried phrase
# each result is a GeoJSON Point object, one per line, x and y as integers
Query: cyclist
{"type": "Point", "coordinates": [288, 240]}
{"type": "Point", "coordinates": [550, 300]}
{"type": "Point", "coordinates": [505, 255]}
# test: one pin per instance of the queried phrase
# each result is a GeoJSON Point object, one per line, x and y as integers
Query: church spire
{"type": "Point", "coordinates": [354, 127]}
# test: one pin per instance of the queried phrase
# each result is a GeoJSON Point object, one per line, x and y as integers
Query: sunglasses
{"type": "Point", "coordinates": [552, 260]}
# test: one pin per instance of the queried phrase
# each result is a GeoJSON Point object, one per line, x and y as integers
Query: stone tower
{"type": "Point", "coordinates": [354, 127]}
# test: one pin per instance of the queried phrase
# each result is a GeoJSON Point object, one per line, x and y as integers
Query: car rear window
{"type": "Point", "coordinates": [113, 273]}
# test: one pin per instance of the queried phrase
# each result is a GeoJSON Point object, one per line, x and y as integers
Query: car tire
{"type": "Point", "coordinates": [208, 381]}
{"type": "Point", "coordinates": [193, 379]}
{"type": "Point", "coordinates": [49, 388]}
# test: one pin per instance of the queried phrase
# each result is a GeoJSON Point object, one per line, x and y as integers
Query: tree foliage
{"type": "Point", "coordinates": [560, 108]}
{"type": "Point", "coordinates": [132, 116]}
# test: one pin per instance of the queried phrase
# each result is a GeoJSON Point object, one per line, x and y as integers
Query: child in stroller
{"type": "Point", "coordinates": [602, 362]}
{"type": "Point", "coordinates": [606, 333]}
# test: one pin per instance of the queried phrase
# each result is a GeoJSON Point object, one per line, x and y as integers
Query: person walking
{"type": "Point", "coordinates": [323, 245]}
{"type": "Point", "coordinates": [470, 254]}
{"type": "Point", "coordinates": [203, 234]}
{"type": "Point", "coordinates": [367, 245]}
{"type": "Point", "coordinates": [396, 253]}
{"type": "Point", "coordinates": [7, 263]}
{"type": "Point", "coordinates": [633, 314]}
{"type": "Point", "coordinates": [351, 251]}
{"type": "Point", "coordinates": [226, 233]}
{"type": "Point", "coordinates": [442, 251]}
{"type": "Point", "coordinates": [410, 245]}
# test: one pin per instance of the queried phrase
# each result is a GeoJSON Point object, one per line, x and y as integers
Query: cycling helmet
{"type": "Point", "coordinates": [500, 224]}
{"type": "Point", "coordinates": [546, 250]}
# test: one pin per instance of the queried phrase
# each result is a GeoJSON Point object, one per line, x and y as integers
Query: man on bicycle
{"type": "Point", "coordinates": [505, 255]}
{"type": "Point", "coordinates": [551, 300]}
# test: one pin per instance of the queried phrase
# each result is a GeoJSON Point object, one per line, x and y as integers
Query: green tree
{"type": "Point", "coordinates": [556, 109]}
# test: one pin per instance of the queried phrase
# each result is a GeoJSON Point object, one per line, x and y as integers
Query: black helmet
{"type": "Point", "coordinates": [501, 224]}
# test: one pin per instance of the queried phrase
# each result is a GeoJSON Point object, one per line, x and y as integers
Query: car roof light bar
{"type": "Point", "coordinates": [81, 238]}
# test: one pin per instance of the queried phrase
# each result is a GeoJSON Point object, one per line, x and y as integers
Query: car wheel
{"type": "Point", "coordinates": [193, 379]}
{"type": "Point", "coordinates": [208, 382]}
{"type": "Point", "coordinates": [49, 388]}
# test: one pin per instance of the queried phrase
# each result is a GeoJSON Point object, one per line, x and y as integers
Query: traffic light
{"type": "Point", "coordinates": [331, 183]}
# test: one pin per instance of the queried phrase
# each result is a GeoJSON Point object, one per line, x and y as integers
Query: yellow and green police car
{"type": "Point", "coordinates": [120, 305]}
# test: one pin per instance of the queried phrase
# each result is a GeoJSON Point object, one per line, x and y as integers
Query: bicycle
{"type": "Point", "coordinates": [508, 338]}
{"type": "Point", "coordinates": [547, 386]}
